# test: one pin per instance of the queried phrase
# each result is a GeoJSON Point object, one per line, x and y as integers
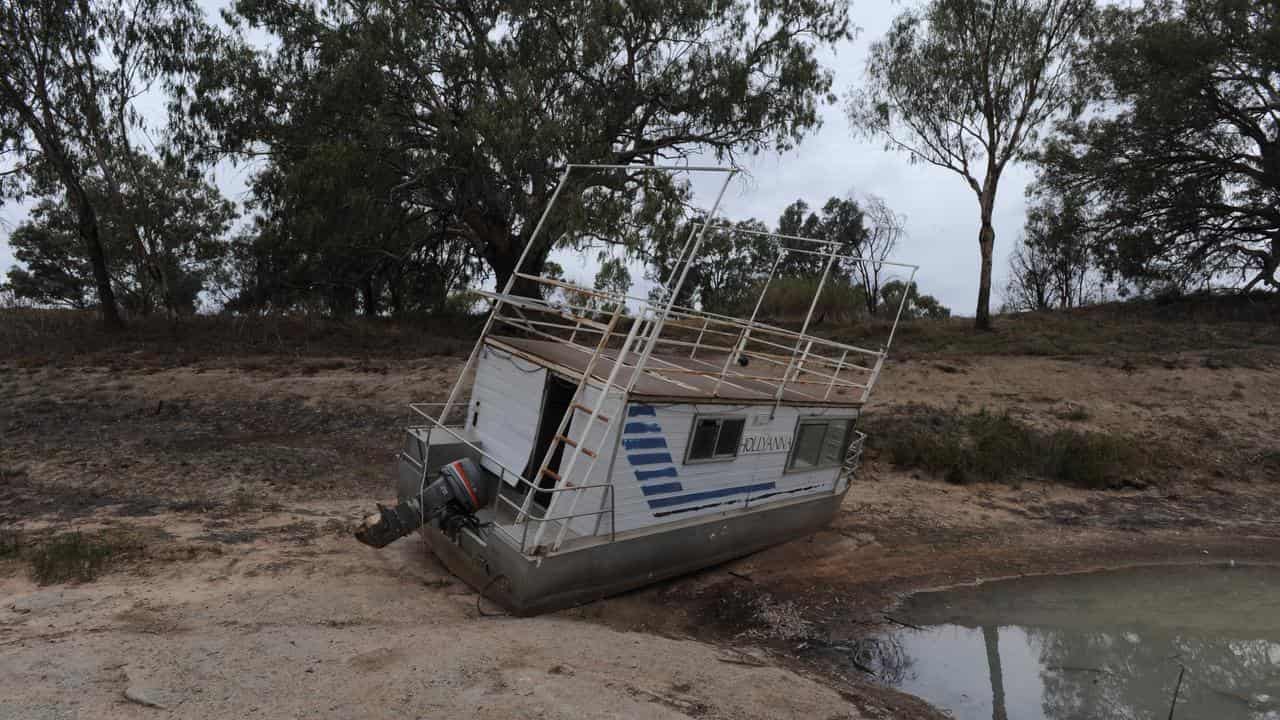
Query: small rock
{"type": "Point", "coordinates": [148, 697]}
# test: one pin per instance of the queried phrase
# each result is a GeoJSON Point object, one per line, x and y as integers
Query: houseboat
{"type": "Point", "coordinates": [595, 443]}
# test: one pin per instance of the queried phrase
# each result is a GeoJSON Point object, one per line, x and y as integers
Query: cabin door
{"type": "Point", "coordinates": [555, 403]}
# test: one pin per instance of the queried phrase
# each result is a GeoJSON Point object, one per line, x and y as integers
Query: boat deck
{"type": "Point", "coordinates": [677, 377]}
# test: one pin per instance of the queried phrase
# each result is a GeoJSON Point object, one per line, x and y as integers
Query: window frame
{"type": "Point", "coordinates": [827, 420]}
{"type": "Point", "coordinates": [693, 429]}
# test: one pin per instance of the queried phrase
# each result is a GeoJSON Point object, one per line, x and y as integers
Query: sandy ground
{"type": "Point", "coordinates": [242, 594]}
{"type": "Point", "coordinates": [319, 627]}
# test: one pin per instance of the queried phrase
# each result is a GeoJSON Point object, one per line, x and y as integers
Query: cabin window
{"type": "Point", "coordinates": [819, 443]}
{"type": "Point", "coordinates": [715, 438]}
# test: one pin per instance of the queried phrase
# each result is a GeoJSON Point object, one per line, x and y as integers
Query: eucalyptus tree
{"type": "Point", "coordinates": [70, 82]}
{"type": "Point", "coordinates": [484, 103]}
{"type": "Point", "coordinates": [884, 229]}
{"type": "Point", "coordinates": [180, 219]}
{"type": "Point", "coordinates": [1180, 168]}
{"type": "Point", "coordinates": [734, 260]}
{"type": "Point", "coordinates": [839, 222]}
{"type": "Point", "coordinates": [968, 85]}
{"type": "Point", "coordinates": [1054, 263]}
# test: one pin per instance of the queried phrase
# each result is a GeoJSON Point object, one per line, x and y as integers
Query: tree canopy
{"type": "Point", "coordinates": [967, 85]}
{"type": "Point", "coordinates": [461, 116]}
{"type": "Point", "coordinates": [1180, 163]}
{"type": "Point", "coordinates": [69, 84]}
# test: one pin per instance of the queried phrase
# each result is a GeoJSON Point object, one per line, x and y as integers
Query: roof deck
{"type": "Point", "coordinates": [681, 377]}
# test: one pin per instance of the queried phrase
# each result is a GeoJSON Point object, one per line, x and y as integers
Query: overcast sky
{"type": "Point", "coordinates": [941, 210]}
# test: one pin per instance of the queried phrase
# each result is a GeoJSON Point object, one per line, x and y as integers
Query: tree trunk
{"type": "Point", "coordinates": [397, 300]}
{"type": "Point", "coordinates": [369, 296]}
{"type": "Point", "coordinates": [87, 225]}
{"type": "Point", "coordinates": [986, 246]}
{"type": "Point", "coordinates": [502, 258]}
{"type": "Point", "coordinates": [342, 301]}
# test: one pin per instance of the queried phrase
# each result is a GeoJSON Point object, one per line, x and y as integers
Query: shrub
{"type": "Point", "coordinates": [998, 448]}
{"type": "Point", "coordinates": [10, 543]}
{"type": "Point", "coordinates": [76, 557]}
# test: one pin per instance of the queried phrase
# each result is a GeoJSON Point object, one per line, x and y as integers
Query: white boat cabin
{"type": "Point", "coordinates": [668, 457]}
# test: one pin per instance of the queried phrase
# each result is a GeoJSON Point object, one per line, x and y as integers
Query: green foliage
{"type": "Point", "coordinates": [69, 114]}
{"type": "Point", "coordinates": [613, 278]}
{"type": "Point", "coordinates": [1053, 265]}
{"type": "Point", "coordinates": [54, 268]}
{"type": "Point", "coordinates": [723, 274]}
{"type": "Point", "coordinates": [967, 85]}
{"type": "Point", "coordinates": [461, 116]}
{"type": "Point", "coordinates": [987, 447]}
{"type": "Point", "coordinates": [788, 299]}
{"type": "Point", "coordinates": [735, 262]}
{"type": "Point", "coordinates": [162, 233]}
{"type": "Point", "coordinates": [1181, 163]}
{"type": "Point", "coordinates": [917, 306]}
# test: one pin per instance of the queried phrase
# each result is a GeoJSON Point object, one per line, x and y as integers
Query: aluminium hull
{"type": "Point", "coordinates": [523, 586]}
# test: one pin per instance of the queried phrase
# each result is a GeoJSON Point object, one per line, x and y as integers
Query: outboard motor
{"type": "Point", "coordinates": [449, 504]}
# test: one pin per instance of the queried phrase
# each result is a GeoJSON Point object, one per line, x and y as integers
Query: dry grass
{"type": "Point", "coordinates": [1232, 331]}
{"type": "Point", "coordinates": [77, 556]}
{"type": "Point", "coordinates": [31, 335]}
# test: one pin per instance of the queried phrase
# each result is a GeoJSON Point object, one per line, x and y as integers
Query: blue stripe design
{"type": "Point", "coordinates": [659, 466]}
{"type": "Point", "coordinates": [643, 475]}
{"type": "Point", "coordinates": [650, 459]}
{"type": "Point", "coordinates": [709, 495]}
{"type": "Point", "coordinates": [644, 443]}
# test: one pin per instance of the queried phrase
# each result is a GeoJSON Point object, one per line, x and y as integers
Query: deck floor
{"type": "Point", "coordinates": [655, 385]}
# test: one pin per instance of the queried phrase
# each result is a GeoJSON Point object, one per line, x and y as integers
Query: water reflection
{"type": "Point", "coordinates": [1106, 645]}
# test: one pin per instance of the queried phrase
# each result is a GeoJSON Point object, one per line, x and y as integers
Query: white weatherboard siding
{"type": "Point", "coordinates": [506, 402]}
{"type": "Point", "coordinates": [654, 485]}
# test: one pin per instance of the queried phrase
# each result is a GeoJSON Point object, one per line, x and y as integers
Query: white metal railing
{"type": "Point", "coordinates": [525, 517]}
{"type": "Point", "coordinates": [802, 360]}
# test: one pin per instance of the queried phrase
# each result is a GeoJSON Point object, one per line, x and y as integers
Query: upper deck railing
{"type": "Point", "coordinates": [704, 352]}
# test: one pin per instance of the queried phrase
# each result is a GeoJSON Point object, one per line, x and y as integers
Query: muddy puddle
{"type": "Point", "coordinates": [1098, 645]}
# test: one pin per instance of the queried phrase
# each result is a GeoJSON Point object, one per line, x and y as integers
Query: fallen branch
{"type": "Point", "coordinates": [896, 621]}
{"type": "Point", "coordinates": [742, 659]}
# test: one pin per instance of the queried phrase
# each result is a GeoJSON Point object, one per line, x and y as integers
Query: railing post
{"type": "Point", "coordinates": [741, 345]}
{"type": "Point", "coordinates": [698, 343]}
{"type": "Point", "coordinates": [674, 289]}
{"type": "Point", "coordinates": [836, 374]}
{"type": "Point", "coordinates": [875, 375]}
{"type": "Point", "coordinates": [826, 271]}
